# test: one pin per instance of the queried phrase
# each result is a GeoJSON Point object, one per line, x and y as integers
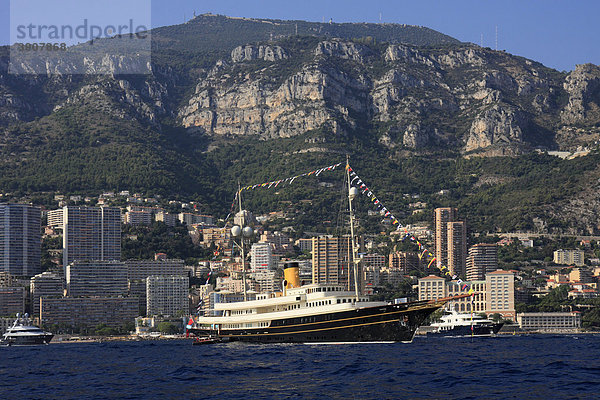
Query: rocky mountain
{"type": "Point", "coordinates": [393, 91]}
{"type": "Point", "coordinates": [465, 97]}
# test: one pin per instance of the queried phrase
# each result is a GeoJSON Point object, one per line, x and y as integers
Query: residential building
{"type": "Point", "coordinates": [304, 244]}
{"type": "Point", "coordinates": [404, 261]}
{"type": "Point", "coordinates": [495, 294]}
{"type": "Point", "coordinates": [141, 269]}
{"type": "Point", "coordinates": [166, 218]}
{"type": "Point", "coordinates": [55, 219]}
{"type": "Point", "coordinates": [443, 215]}
{"type": "Point", "coordinates": [583, 275]}
{"type": "Point", "coordinates": [569, 257]}
{"type": "Point", "coordinates": [371, 276]}
{"type": "Point", "coordinates": [191, 219]}
{"type": "Point", "coordinates": [137, 290]}
{"type": "Point", "coordinates": [500, 288]}
{"type": "Point", "coordinates": [91, 233]}
{"type": "Point", "coordinates": [96, 279]}
{"type": "Point", "coordinates": [262, 258]}
{"type": "Point", "coordinates": [137, 218]}
{"type": "Point", "coordinates": [267, 281]}
{"type": "Point", "coordinates": [12, 300]}
{"type": "Point", "coordinates": [432, 287]}
{"type": "Point", "coordinates": [475, 303]}
{"type": "Point", "coordinates": [215, 236]}
{"type": "Point", "coordinates": [7, 280]}
{"type": "Point", "coordinates": [167, 295]}
{"type": "Point", "coordinates": [88, 312]}
{"type": "Point", "coordinates": [550, 321]}
{"type": "Point", "coordinates": [482, 258]}
{"type": "Point", "coordinates": [450, 240]}
{"type": "Point", "coordinates": [47, 284]}
{"type": "Point", "coordinates": [20, 239]}
{"type": "Point", "coordinates": [457, 247]}
{"type": "Point", "coordinates": [373, 260]}
{"type": "Point", "coordinates": [391, 276]}
{"type": "Point", "coordinates": [280, 242]}
{"type": "Point", "coordinates": [332, 261]}
{"type": "Point", "coordinates": [583, 294]}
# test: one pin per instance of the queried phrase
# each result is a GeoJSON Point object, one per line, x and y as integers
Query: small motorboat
{"type": "Point", "coordinates": [206, 340]}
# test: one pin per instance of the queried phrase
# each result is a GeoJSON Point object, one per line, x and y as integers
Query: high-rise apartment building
{"type": "Point", "coordinates": [167, 295]}
{"type": "Point", "coordinates": [55, 218]}
{"type": "Point", "coordinates": [457, 247]}
{"type": "Point", "coordinates": [91, 233]}
{"type": "Point", "coordinates": [12, 300]}
{"type": "Point", "coordinates": [96, 279]}
{"type": "Point", "coordinates": [482, 258]}
{"type": "Point", "coordinates": [46, 284]}
{"type": "Point", "coordinates": [332, 261]}
{"type": "Point", "coordinates": [442, 217]}
{"type": "Point", "coordinates": [88, 312]}
{"type": "Point", "coordinates": [262, 258]}
{"type": "Point", "coordinates": [20, 239]}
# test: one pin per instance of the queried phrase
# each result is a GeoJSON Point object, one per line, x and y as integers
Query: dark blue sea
{"type": "Point", "coordinates": [507, 367]}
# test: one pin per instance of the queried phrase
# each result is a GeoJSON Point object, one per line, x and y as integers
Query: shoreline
{"type": "Point", "coordinates": [120, 338]}
{"type": "Point", "coordinates": [135, 338]}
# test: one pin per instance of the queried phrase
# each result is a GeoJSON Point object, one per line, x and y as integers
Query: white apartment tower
{"type": "Point", "coordinates": [262, 257]}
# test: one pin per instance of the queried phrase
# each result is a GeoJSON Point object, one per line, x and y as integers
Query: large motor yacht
{"type": "Point", "coordinates": [21, 333]}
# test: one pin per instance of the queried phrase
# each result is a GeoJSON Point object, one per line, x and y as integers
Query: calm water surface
{"type": "Point", "coordinates": [511, 367]}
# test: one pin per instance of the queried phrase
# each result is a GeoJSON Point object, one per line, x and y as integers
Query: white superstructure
{"type": "Point", "coordinates": [305, 301]}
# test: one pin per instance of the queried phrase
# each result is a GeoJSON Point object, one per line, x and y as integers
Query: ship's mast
{"type": "Point", "coordinates": [242, 242]}
{"type": "Point", "coordinates": [351, 195]}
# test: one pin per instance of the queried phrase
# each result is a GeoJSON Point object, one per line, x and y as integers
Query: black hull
{"type": "Point", "coordinates": [28, 340]}
{"type": "Point", "coordinates": [388, 323]}
{"type": "Point", "coordinates": [478, 330]}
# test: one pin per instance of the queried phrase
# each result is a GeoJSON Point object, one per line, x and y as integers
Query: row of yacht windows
{"type": "Point", "coordinates": [240, 312]}
{"type": "Point", "coordinates": [325, 289]}
{"type": "Point", "coordinates": [325, 303]}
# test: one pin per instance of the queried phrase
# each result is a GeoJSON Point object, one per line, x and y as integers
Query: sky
{"type": "Point", "coordinates": [557, 33]}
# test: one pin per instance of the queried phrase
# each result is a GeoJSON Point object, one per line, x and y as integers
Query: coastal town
{"type": "Point", "coordinates": [89, 285]}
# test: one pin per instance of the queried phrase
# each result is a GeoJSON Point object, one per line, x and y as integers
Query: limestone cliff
{"type": "Point", "coordinates": [466, 97]}
{"type": "Point", "coordinates": [583, 88]}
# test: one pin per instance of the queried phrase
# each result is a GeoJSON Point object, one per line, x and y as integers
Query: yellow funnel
{"type": "Point", "coordinates": [291, 274]}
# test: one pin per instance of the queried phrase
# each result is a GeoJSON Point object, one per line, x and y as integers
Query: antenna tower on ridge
{"type": "Point", "coordinates": [496, 37]}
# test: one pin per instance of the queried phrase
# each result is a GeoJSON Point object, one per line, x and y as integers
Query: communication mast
{"type": "Point", "coordinates": [496, 37]}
